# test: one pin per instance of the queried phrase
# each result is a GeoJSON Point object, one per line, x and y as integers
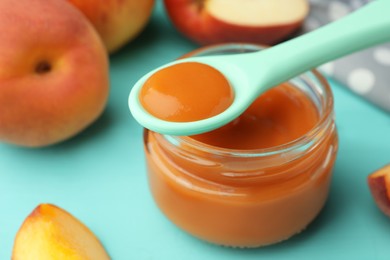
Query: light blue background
{"type": "Point", "coordinates": [99, 176]}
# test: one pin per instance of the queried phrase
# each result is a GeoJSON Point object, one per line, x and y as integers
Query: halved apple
{"type": "Point", "coordinates": [379, 183]}
{"type": "Point", "coordinates": [219, 21]}
{"type": "Point", "coordinates": [52, 233]}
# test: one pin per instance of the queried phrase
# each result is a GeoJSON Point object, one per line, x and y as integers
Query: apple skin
{"type": "Point", "coordinates": [378, 183]}
{"type": "Point", "coordinates": [54, 78]}
{"type": "Point", "coordinates": [50, 232]}
{"type": "Point", "coordinates": [117, 21]}
{"type": "Point", "coordinates": [205, 29]}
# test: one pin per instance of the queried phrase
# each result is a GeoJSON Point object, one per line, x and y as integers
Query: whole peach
{"type": "Point", "coordinates": [53, 72]}
{"type": "Point", "coordinates": [117, 21]}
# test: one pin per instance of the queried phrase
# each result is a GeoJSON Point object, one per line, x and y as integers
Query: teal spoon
{"type": "Point", "coordinates": [251, 74]}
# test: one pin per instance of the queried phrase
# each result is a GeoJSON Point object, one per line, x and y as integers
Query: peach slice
{"type": "Point", "coordinates": [52, 233]}
{"type": "Point", "coordinates": [379, 183]}
{"type": "Point", "coordinates": [219, 21]}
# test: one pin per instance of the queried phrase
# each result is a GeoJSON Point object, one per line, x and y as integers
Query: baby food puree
{"type": "Point", "coordinates": [186, 92]}
{"type": "Point", "coordinates": [255, 181]}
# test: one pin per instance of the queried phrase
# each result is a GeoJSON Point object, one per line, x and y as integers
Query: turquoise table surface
{"type": "Point", "coordinates": [99, 176]}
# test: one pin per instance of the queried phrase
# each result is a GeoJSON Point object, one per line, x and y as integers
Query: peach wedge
{"type": "Point", "coordinates": [52, 233]}
{"type": "Point", "coordinates": [379, 183]}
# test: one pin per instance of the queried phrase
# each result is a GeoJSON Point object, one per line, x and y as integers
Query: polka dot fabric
{"type": "Point", "coordinates": [366, 73]}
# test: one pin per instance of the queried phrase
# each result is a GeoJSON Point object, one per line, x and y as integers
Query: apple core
{"type": "Point", "coordinates": [186, 92]}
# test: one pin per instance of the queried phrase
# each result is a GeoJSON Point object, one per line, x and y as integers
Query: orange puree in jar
{"type": "Point", "coordinates": [186, 92]}
{"type": "Point", "coordinates": [256, 181]}
{"type": "Point", "coordinates": [277, 117]}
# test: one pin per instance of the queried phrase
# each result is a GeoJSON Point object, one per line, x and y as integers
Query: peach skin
{"type": "Point", "coordinates": [54, 78]}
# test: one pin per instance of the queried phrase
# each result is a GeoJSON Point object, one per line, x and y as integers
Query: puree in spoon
{"type": "Point", "coordinates": [186, 92]}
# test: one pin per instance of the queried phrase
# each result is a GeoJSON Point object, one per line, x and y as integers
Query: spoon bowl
{"type": "Point", "coordinates": [251, 74]}
{"type": "Point", "coordinates": [238, 80]}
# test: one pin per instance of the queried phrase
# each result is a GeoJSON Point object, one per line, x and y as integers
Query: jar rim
{"type": "Point", "coordinates": [303, 140]}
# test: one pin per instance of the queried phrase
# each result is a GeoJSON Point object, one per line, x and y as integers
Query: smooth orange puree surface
{"type": "Point", "coordinates": [277, 117]}
{"type": "Point", "coordinates": [186, 92]}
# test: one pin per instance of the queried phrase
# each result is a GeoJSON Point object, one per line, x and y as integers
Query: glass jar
{"type": "Point", "coordinates": [245, 198]}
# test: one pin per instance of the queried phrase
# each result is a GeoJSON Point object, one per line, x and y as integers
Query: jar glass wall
{"type": "Point", "coordinates": [246, 198]}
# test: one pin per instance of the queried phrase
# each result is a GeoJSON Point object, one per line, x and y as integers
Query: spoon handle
{"type": "Point", "coordinates": [366, 27]}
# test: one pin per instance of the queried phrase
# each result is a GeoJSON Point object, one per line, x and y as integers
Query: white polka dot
{"type": "Point", "coordinates": [382, 56]}
{"type": "Point", "coordinates": [312, 23]}
{"type": "Point", "coordinates": [356, 3]}
{"type": "Point", "coordinates": [337, 10]}
{"type": "Point", "coordinates": [361, 81]}
{"type": "Point", "coordinates": [327, 68]}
